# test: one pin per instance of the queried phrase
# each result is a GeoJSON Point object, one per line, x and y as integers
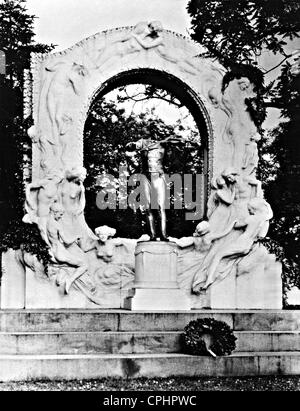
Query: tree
{"type": "Point", "coordinates": [17, 42]}
{"type": "Point", "coordinates": [107, 131]}
{"type": "Point", "coordinates": [283, 191]}
{"type": "Point", "coordinates": [237, 32]}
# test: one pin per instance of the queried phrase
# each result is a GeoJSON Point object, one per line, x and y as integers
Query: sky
{"type": "Point", "coordinates": [66, 22]}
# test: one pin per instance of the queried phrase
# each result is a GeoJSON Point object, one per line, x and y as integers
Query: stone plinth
{"type": "Point", "coordinates": [156, 286]}
{"type": "Point", "coordinates": [12, 281]}
{"type": "Point", "coordinates": [83, 344]}
{"type": "Point", "coordinates": [156, 265]}
{"type": "Point", "coordinates": [259, 288]}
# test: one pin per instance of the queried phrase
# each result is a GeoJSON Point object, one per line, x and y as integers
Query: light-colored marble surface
{"type": "Point", "coordinates": [86, 270]}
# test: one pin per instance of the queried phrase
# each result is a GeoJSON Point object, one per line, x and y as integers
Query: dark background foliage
{"type": "Point", "coordinates": [237, 32]}
{"type": "Point", "coordinates": [107, 131]}
{"type": "Point", "coordinates": [17, 41]}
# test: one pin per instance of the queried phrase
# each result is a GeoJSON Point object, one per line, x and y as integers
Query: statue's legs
{"type": "Point", "coordinates": [154, 194]}
{"type": "Point", "coordinates": [146, 207]}
{"type": "Point", "coordinates": [159, 194]}
{"type": "Point", "coordinates": [151, 224]}
{"type": "Point", "coordinates": [163, 224]}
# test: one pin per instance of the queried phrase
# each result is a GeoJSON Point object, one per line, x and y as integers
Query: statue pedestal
{"type": "Point", "coordinates": [156, 286]}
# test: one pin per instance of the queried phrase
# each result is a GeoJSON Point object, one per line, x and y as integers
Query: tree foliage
{"type": "Point", "coordinates": [283, 191]}
{"type": "Point", "coordinates": [17, 42]}
{"type": "Point", "coordinates": [237, 33]}
{"type": "Point", "coordinates": [17, 38]}
{"type": "Point", "coordinates": [107, 131]}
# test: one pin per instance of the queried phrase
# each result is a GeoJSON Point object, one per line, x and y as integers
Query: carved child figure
{"type": "Point", "coordinates": [106, 243]}
{"type": "Point", "coordinates": [116, 259]}
{"type": "Point", "coordinates": [202, 238]}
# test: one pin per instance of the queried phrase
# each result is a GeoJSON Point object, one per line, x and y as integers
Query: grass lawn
{"type": "Point", "coordinates": [272, 383]}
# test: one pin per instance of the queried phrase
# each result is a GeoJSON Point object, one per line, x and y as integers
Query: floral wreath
{"type": "Point", "coordinates": [207, 335]}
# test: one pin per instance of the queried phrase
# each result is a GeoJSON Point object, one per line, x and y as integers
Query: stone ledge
{"type": "Point", "coordinates": [121, 320]}
{"type": "Point", "coordinates": [70, 367]}
{"type": "Point", "coordinates": [133, 342]}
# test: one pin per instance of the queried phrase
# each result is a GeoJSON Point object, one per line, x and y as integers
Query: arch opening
{"type": "Point", "coordinates": [191, 101]}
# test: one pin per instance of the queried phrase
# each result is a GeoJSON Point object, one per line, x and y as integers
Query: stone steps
{"type": "Point", "coordinates": [83, 344]}
{"type": "Point", "coordinates": [121, 320]}
{"type": "Point", "coordinates": [134, 342]}
{"type": "Point", "coordinates": [78, 367]}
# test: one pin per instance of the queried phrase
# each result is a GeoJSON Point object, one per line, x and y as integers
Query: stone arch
{"type": "Point", "coordinates": [70, 80]}
{"type": "Point", "coordinates": [59, 97]}
{"type": "Point", "coordinates": [65, 84]}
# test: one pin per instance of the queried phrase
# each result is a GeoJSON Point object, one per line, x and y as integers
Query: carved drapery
{"type": "Point", "coordinates": [64, 85]}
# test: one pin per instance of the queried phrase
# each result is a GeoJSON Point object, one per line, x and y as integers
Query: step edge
{"type": "Point", "coordinates": [144, 356]}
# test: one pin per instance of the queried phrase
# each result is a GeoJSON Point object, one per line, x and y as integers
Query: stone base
{"type": "Point", "coordinates": [32, 289]}
{"type": "Point", "coordinates": [42, 293]}
{"type": "Point", "coordinates": [92, 344]}
{"type": "Point", "coordinates": [12, 282]}
{"type": "Point", "coordinates": [156, 265]}
{"type": "Point", "coordinates": [255, 284]}
{"type": "Point", "coordinates": [159, 299]}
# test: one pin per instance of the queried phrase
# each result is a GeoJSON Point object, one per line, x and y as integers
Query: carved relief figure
{"type": "Point", "coordinates": [202, 238]}
{"type": "Point", "coordinates": [66, 80]}
{"type": "Point", "coordinates": [230, 196]}
{"type": "Point", "coordinates": [193, 251]}
{"type": "Point", "coordinates": [106, 244]}
{"type": "Point", "coordinates": [228, 203]}
{"type": "Point", "coordinates": [72, 191]}
{"type": "Point", "coordinates": [146, 36]}
{"type": "Point", "coordinates": [246, 188]}
{"type": "Point", "coordinates": [250, 159]}
{"type": "Point", "coordinates": [40, 195]}
{"type": "Point", "coordinates": [233, 104]}
{"type": "Point", "coordinates": [254, 227]}
{"type": "Point", "coordinates": [115, 267]}
{"type": "Point", "coordinates": [215, 96]}
{"type": "Point", "coordinates": [72, 198]}
{"type": "Point", "coordinates": [143, 36]}
{"type": "Point", "coordinates": [185, 63]}
{"type": "Point", "coordinates": [220, 209]}
{"type": "Point", "coordinates": [65, 247]}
